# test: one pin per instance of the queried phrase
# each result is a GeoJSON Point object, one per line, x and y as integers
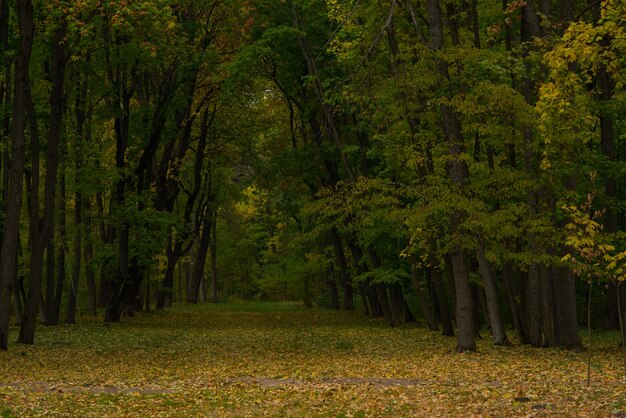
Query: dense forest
{"type": "Point", "coordinates": [459, 163]}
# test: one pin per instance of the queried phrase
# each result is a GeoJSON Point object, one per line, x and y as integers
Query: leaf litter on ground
{"type": "Point", "coordinates": [284, 360]}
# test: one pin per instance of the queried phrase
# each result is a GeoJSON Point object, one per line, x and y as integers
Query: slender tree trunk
{"type": "Point", "coordinates": [165, 292]}
{"type": "Point", "coordinates": [118, 75]}
{"type": "Point", "coordinates": [381, 291]}
{"type": "Point", "coordinates": [491, 295]}
{"type": "Point", "coordinates": [422, 298]}
{"type": "Point", "coordinates": [513, 302]}
{"type": "Point", "coordinates": [344, 272]}
{"type": "Point", "coordinates": [332, 287]}
{"type": "Point", "coordinates": [42, 235]}
{"type": "Point", "coordinates": [168, 282]}
{"type": "Point", "coordinates": [34, 299]}
{"type": "Point", "coordinates": [198, 268]}
{"type": "Point", "coordinates": [442, 301]}
{"type": "Point", "coordinates": [47, 309]}
{"type": "Point", "coordinates": [60, 263]}
{"type": "Point", "coordinates": [70, 317]}
{"type": "Point", "coordinates": [107, 236]}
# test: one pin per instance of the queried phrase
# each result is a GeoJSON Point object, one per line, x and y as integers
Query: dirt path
{"type": "Point", "coordinates": [265, 382]}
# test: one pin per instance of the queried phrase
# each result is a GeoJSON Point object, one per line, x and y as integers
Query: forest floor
{"type": "Point", "coordinates": [282, 360]}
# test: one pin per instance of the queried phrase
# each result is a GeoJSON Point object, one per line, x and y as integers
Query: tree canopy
{"type": "Point", "coordinates": [450, 162]}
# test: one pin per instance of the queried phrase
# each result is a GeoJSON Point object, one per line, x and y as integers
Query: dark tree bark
{"type": "Point", "coordinates": [70, 317]}
{"type": "Point", "coordinates": [491, 295]}
{"type": "Point", "coordinates": [344, 272]}
{"type": "Point", "coordinates": [42, 232]}
{"type": "Point", "coordinates": [177, 247]}
{"type": "Point", "coordinates": [533, 298]}
{"type": "Point", "coordinates": [60, 261]}
{"type": "Point", "coordinates": [119, 77]}
{"type": "Point", "coordinates": [213, 251]}
{"type": "Point", "coordinates": [83, 130]}
{"type": "Point", "coordinates": [107, 236]}
{"type": "Point", "coordinates": [442, 301]}
{"type": "Point", "coordinates": [8, 256]}
{"type": "Point", "coordinates": [458, 177]}
{"type": "Point", "coordinates": [512, 295]}
{"type": "Point", "coordinates": [422, 298]}
{"type": "Point", "coordinates": [332, 287]}
{"type": "Point", "coordinates": [529, 30]}
{"type": "Point", "coordinates": [203, 247]}
{"type": "Point", "coordinates": [47, 309]}
{"type": "Point", "coordinates": [548, 306]}
{"type": "Point", "coordinates": [566, 319]}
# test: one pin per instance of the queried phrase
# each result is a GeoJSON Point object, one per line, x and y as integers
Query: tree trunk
{"type": "Point", "coordinates": [422, 298]}
{"type": "Point", "coordinates": [344, 272]}
{"type": "Point", "coordinates": [8, 257]}
{"type": "Point", "coordinates": [198, 268]}
{"type": "Point", "coordinates": [60, 263]}
{"type": "Point", "coordinates": [13, 190]}
{"type": "Point", "coordinates": [47, 303]}
{"type": "Point", "coordinates": [332, 287]}
{"type": "Point", "coordinates": [118, 75]}
{"type": "Point", "coordinates": [168, 281]}
{"type": "Point", "coordinates": [442, 301]}
{"type": "Point", "coordinates": [533, 298]}
{"type": "Point", "coordinates": [491, 295]}
{"type": "Point", "coordinates": [381, 291]}
{"type": "Point", "coordinates": [566, 318]}
{"type": "Point", "coordinates": [70, 317]}
{"type": "Point", "coordinates": [214, 261]}
{"type": "Point", "coordinates": [548, 307]}
{"type": "Point", "coordinates": [513, 302]}
{"type": "Point", "coordinates": [466, 328]}
{"type": "Point", "coordinates": [458, 177]}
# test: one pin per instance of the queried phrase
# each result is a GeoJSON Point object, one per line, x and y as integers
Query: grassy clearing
{"type": "Point", "coordinates": [279, 359]}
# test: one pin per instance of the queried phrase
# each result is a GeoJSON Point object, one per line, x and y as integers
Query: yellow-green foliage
{"type": "Point", "coordinates": [593, 254]}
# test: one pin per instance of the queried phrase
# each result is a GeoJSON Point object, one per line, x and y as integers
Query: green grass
{"type": "Point", "coordinates": [280, 359]}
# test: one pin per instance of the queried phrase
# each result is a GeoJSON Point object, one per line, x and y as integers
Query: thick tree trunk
{"type": "Point", "coordinates": [533, 298]}
{"type": "Point", "coordinates": [548, 307]}
{"type": "Point", "coordinates": [8, 255]}
{"type": "Point", "coordinates": [458, 176]}
{"type": "Point", "coordinates": [566, 318]}
{"type": "Point", "coordinates": [466, 328]}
